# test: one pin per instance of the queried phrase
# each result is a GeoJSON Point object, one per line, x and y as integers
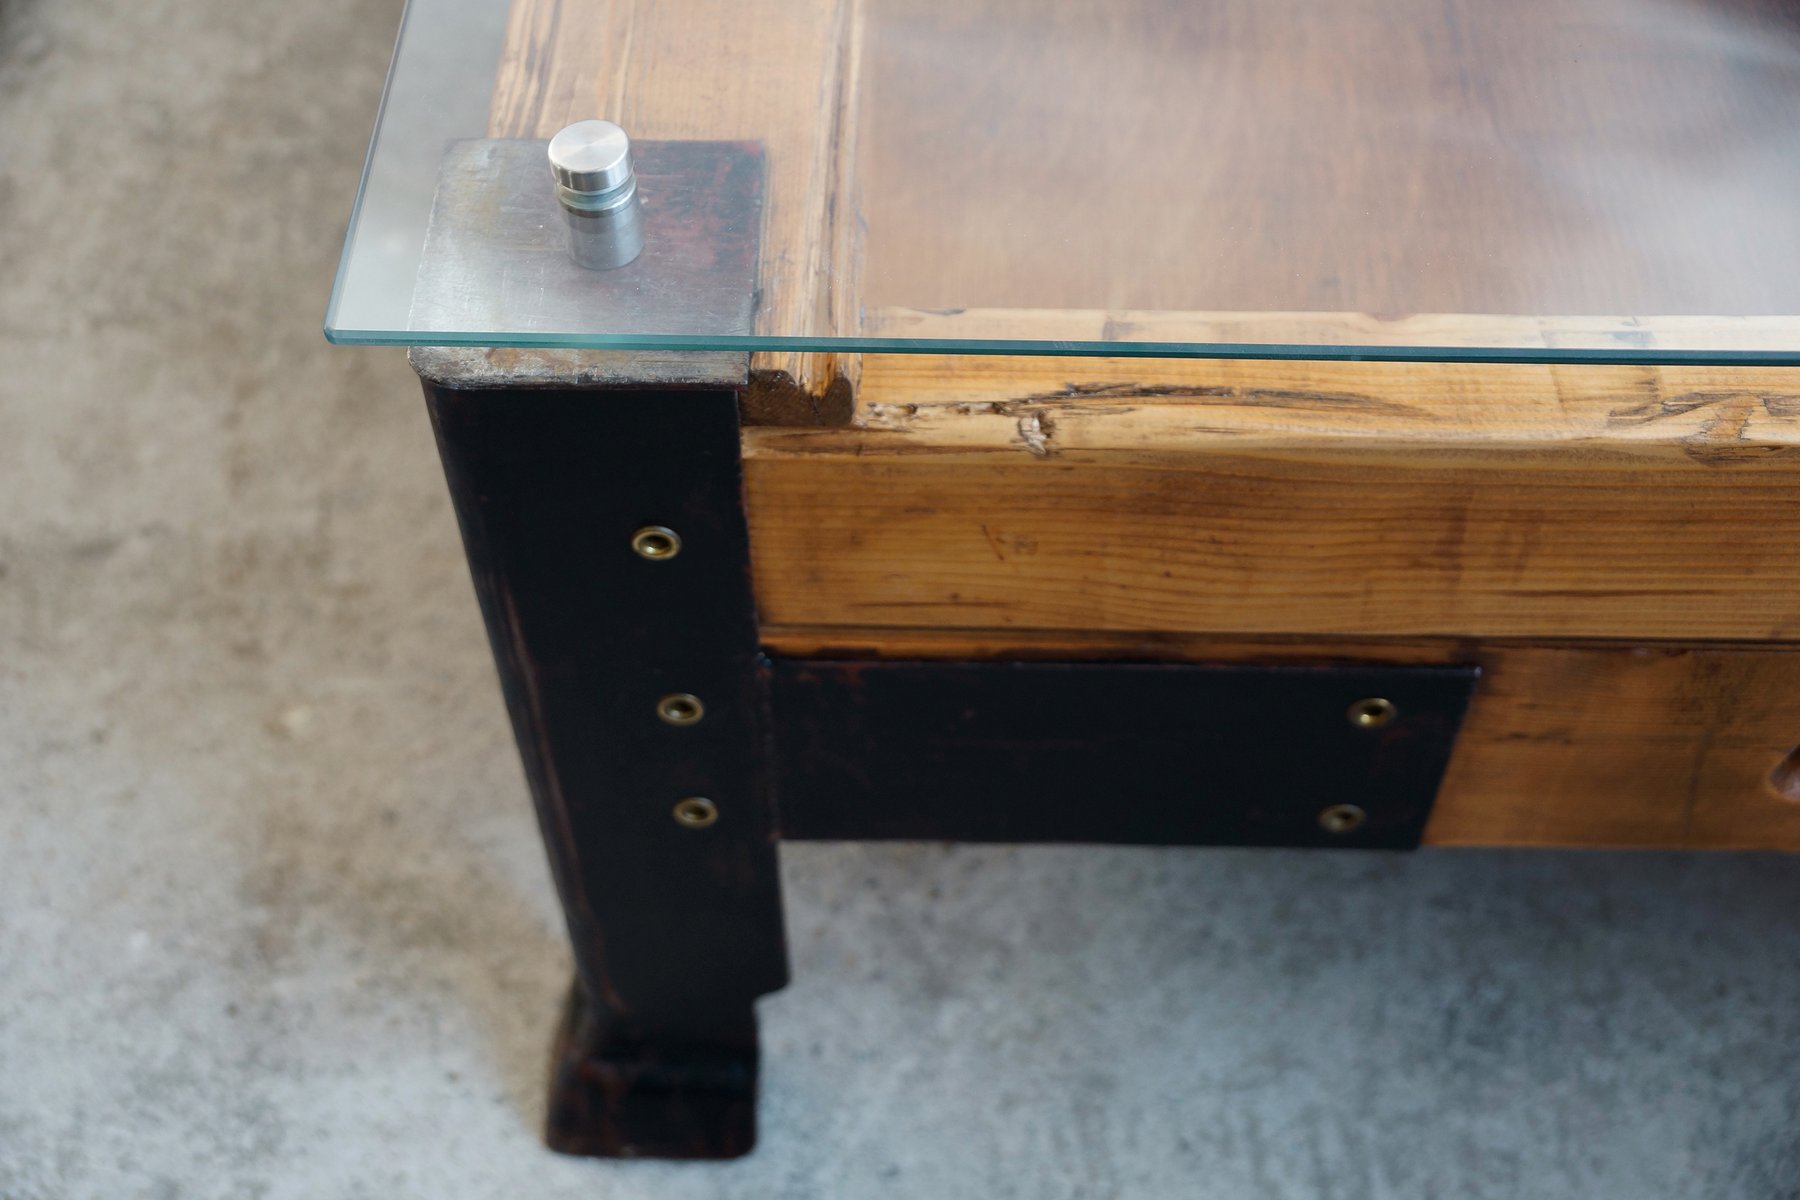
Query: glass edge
{"type": "Point", "coordinates": [362, 181]}
{"type": "Point", "coordinates": [1021, 348]}
{"type": "Point", "coordinates": [1071, 349]}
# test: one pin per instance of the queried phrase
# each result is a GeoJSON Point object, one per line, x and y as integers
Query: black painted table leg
{"type": "Point", "coordinates": [606, 536]}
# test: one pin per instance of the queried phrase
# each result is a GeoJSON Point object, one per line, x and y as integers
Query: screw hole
{"type": "Point", "coordinates": [1784, 780]}
{"type": "Point", "coordinates": [1372, 713]}
{"type": "Point", "coordinates": [680, 708]}
{"type": "Point", "coordinates": [656, 542]}
{"type": "Point", "coordinates": [1342, 818]}
{"type": "Point", "coordinates": [696, 812]}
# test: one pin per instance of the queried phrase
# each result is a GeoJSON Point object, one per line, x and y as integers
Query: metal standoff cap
{"type": "Point", "coordinates": [591, 157]}
{"type": "Point", "coordinates": [591, 163]}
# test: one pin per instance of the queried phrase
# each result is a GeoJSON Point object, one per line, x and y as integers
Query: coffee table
{"type": "Point", "coordinates": [1261, 422]}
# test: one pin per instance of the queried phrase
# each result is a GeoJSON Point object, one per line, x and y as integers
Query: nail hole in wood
{"type": "Point", "coordinates": [1784, 780]}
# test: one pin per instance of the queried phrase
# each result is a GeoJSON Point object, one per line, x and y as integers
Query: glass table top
{"type": "Point", "coordinates": [1537, 180]}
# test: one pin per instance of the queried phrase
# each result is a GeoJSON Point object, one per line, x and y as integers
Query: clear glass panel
{"type": "Point", "coordinates": [1598, 180]}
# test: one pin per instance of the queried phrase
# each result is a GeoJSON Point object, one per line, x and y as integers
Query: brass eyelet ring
{"type": "Point", "coordinates": [1371, 713]}
{"type": "Point", "coordinates": [1342, 819]}
{"type": "Point", "coordinates": [680, 708]}
{"type": "Point", "coordinates": [696, 812]}
{"type": "Point", "coordinates": [658, 543]}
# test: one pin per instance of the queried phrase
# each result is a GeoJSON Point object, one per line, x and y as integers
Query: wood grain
{"type": "Point", "coordinates": [780, 72]}
{"type": "Point", "coordinates": [1468, 331]}
{"type": "Point", "coordinates": [1372, 156]}
{"type": "Point", "coordinates": [1547, 160]}
{"type": "Point", "coordinates": [1298, 498]}
{"type": "Point", "coordinates": [1572, 745]}
{"type": "Point", "coordinates": [1243, 171]}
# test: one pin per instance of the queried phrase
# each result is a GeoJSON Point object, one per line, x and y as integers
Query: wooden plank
{"type": "Point", "coordinates": [1366, 156]}
{"type": "Point", "coordinates": [1470, 331]}
{"type": "Point", "coordinates": [1188, 406]}
{"type": "Point", "coordinates": [1575, 745]}
{"type": "Point", "coordinates": [781, 72]}
{"type": "Point", "coordinates": [875, 204]}
{"type": "Point", "coordinates": [1278, 542]}
{"type": "Point", "coordinates": [1290, 498]}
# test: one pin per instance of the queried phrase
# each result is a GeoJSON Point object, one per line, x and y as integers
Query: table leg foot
{"type": "Point", "coordinates": [622, 1089]}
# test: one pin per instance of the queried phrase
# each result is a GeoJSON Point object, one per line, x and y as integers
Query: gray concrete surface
{"type": "Point", "coordinates": [273, 920]}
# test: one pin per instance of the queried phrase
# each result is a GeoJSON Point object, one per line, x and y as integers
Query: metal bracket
{"type": "Point", "coordinates": [1097, 752]}
{"type": "Point", "coordinates": [496, 255]}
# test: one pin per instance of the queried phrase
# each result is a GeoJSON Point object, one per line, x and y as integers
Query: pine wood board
{"type": "Point", "coordinates": [1560, 157]}
{"type": "Point", "coordinates": [1152, 331]}
{"type": "Point", "coordinates": [1289, 498]}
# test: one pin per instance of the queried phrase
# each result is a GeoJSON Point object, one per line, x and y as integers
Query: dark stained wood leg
{"type": "Point", "coordinates": [620, 1089]}
{"type": "Point", "coordinates": [676, 926]}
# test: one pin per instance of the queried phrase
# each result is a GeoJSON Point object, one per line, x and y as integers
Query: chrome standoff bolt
{"type": "Point", "coordinates": [591, 163]}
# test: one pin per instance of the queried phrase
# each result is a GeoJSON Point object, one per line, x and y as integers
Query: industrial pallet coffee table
{"type": "Point", "coordinates": [1262, 422]}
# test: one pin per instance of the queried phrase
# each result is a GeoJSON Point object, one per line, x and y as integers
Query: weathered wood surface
{"type": "Point", "coordinates": [1182, 167]}
{"type": "Point", "coordinates": [1574, 745]}
{"type": "Point", "coordinates": [1152, 507]}
{"type": "Point", "coordinates": [1549, 157]}
{"type": "Point", "coordinates": [679, 71]}
{"type": "Point", "coordinates": [1367, 156]}
{"type": "Point", "coordinates": [1474, 332]}
{"type": "Point", "coordinates": [1289, 498]}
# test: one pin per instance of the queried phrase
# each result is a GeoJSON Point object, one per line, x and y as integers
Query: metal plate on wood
{"type": "Point", "coordinates": [1091, 752]}
{"type": "Point", "coordinates": [495, 256]}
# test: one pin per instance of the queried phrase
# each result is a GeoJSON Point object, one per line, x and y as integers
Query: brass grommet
{"type": "Point", "coordinates": [696, 812]}
{"type": "Point", "coordinates": [656, 542]}
{"type": "Point", "coordinates": [1342, 818]}
{"type": "Point", "coordinates": [680, 708]}
{"type": "Point", "coordinates": [1371, 713]}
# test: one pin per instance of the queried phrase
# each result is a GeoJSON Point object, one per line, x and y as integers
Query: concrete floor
{"type": "Point", "coordinates": [273, 918]}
